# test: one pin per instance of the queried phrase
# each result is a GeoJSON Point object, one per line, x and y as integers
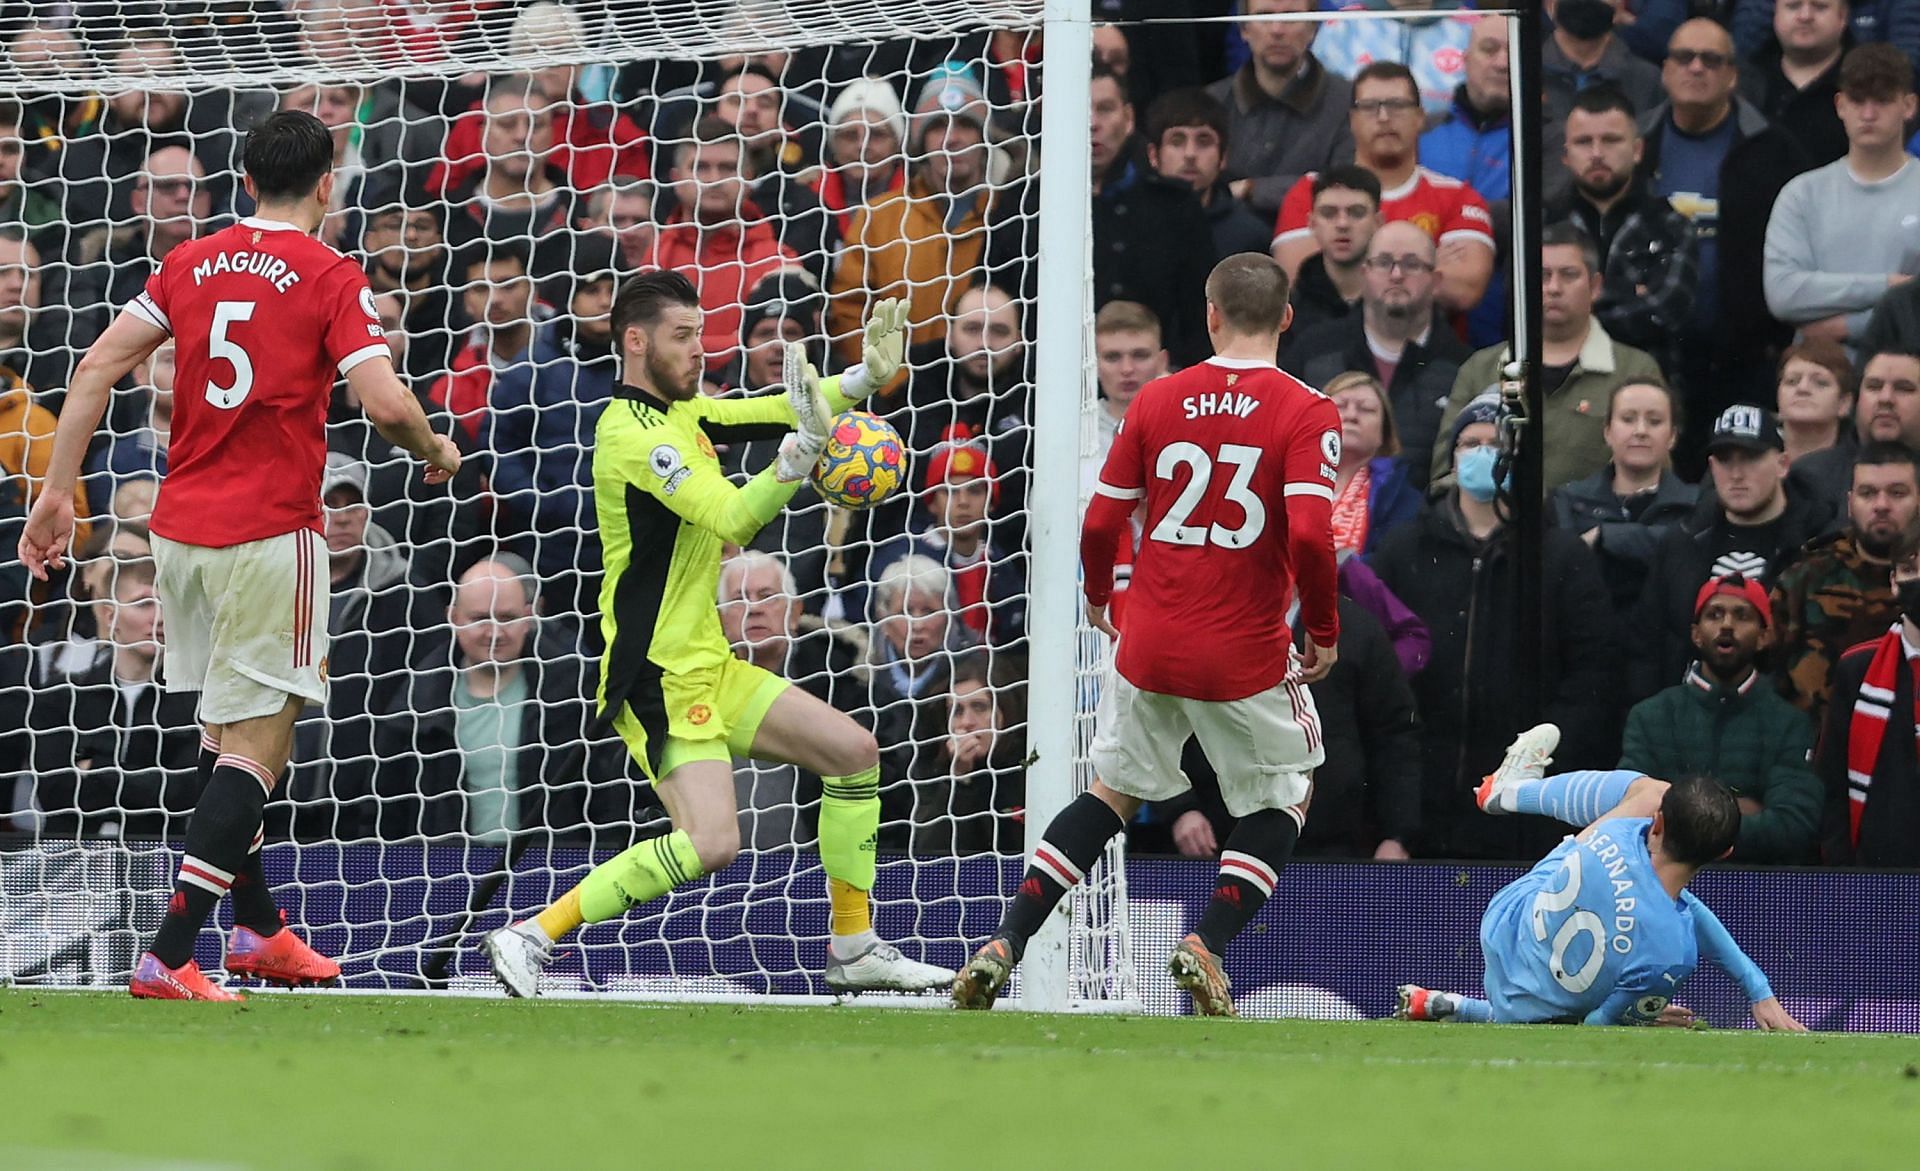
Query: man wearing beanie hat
{"type": "Point", "coordinates": [953, 524]}
{"type": "Point", "coordinates": [866, 133]}
{"type": "Point", "coordinates": [924, 242]}
{"type": "Point", "coordinates": [1749, 524]}
{"type": "Point", "coordinates": [1453, 567]}
{"type": "Point", "coordinates": [1727, 721]}
{"type": "Point", "coordinates": [785, 306]}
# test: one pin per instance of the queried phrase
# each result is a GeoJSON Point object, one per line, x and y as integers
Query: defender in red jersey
{"type": "Point", "coordinates": [1236, 462]}
{"type": "Point", "coordinates": [264, 318]}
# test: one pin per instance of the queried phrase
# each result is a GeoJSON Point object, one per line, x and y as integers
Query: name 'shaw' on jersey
{"type": "Point", "coordinates": [1235, 463]}
{"type": "Point", "coordinates": [264, 319]}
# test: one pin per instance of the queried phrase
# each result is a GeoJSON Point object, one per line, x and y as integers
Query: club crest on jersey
{"type": "Point", "coordinates": [1232, 378]}
{"type": "Point", "coordinates": [706, 446]}
{"type": "Point", "coordinates": [699, 714]}
{"type": "Point", "coordinates": [665, 460]}
{"type": "Point", "coordinates": [1330, 447]}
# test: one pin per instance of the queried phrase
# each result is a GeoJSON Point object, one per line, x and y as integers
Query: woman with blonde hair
{"type": "Point", "coordinates": [1372, 494]}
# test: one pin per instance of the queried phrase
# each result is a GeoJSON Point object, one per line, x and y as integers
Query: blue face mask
{"type": "Point", "coordinates": [1475, 473]}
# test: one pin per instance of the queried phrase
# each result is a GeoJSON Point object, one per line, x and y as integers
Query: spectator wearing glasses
{"type": "Point", "coordinates": [1386, 124]}
{"type": "Point", "coordinates": [1398, 336]}
{"type": "Point", "coordinates": [1720, 163]}
{"type": "Point", "coordinates": [170, 204]}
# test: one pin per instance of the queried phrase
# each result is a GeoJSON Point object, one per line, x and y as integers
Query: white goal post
{"type": "Point", "coordinates": [356, 849]}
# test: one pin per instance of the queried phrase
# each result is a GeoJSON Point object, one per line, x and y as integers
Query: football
{"type": "Point", "coordinates": [864, 461]}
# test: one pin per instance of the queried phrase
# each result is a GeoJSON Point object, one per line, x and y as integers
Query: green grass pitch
{"type": "Point", "coordinates": [360, 1082]}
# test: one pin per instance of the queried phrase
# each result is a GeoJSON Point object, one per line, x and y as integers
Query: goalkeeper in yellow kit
{"type": "Point", "coordinates": [677, 695]}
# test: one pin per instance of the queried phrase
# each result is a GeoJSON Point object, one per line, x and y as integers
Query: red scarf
{"type": "Point", "coordinates": [1868, 728]}
{"type": "Point", "coordinates": [1350, 516]}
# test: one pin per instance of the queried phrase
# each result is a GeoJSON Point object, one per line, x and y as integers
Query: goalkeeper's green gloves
{"type": "Point", "coordinates": [813, 417]}
{"type": "Point", "coordinates": [883, 349]}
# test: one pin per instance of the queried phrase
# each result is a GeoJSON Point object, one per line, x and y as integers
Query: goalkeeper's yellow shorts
{"type": "Point", "coordinates": [708, 714]}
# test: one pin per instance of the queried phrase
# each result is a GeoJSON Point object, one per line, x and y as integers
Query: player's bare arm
{"type": "Point", "coordinates": [399, 418]}
{"type": "Point", "coordinates": [49, 532]}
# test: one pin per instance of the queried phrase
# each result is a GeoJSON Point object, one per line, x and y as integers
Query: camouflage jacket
{"type": "Point", "coordinates": [1832, 597]}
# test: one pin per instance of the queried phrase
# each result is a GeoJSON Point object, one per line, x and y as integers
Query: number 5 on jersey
{"type": "Point", "coordinates": [220, 346]}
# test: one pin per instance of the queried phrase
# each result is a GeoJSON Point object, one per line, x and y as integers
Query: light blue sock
{"type": "Point", "coordinates": [1473, 1011]}
{"type": "Point", "coordinates": [1577, 798]}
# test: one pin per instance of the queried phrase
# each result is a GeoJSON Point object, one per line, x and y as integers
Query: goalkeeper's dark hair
{"type": "Point", "coordinates": [287, 155]}
{"type": "Point", "coordinates": [1702, 820]}
{"type": "Point", "coordinates": [642, 299]}
{"type": "Point", "coordinates": [1250, 291]}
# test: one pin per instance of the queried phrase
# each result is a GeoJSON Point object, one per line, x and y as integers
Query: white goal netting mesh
{"type": "Point", "coordinates": [499, 168]}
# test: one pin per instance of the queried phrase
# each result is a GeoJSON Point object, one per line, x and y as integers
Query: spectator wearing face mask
{"type": "Point", "coordinates": [1453, 567]}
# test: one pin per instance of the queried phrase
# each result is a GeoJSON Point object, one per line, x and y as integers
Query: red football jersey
{"type": "Point", "coordinates": [264, 318]}
{"type": "Point", "coordinates": [1445, 208]}
{"type": "Point", "coordinates": [1236, 461]}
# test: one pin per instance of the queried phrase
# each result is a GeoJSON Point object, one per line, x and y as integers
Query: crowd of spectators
{"type": "Point", "coordinates": [1731, 361]}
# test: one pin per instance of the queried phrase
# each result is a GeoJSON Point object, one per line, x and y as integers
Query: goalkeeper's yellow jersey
{"type": "Point", "coordinates": [665, 509]}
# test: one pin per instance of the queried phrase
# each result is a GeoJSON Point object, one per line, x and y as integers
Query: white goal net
{"type": "Point", "coordinates": [499, 168]}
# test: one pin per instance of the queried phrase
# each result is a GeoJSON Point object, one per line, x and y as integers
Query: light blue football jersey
{"type": "Point", "coordinates": [1589, 935]}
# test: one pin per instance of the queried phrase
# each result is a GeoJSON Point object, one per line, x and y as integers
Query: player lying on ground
{"type": "Point", "coordinates": [677, 695]}
{"type": "Point", "coordinates": [1236, 462]}
{"type": "Point", "coordinates": [1603, 931]}
{"type": "Point", "coordinates": [265, 317]}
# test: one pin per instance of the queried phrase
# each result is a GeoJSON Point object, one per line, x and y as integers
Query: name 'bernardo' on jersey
{"type": "Point", "coordinates": [1615, 860]}
{"type": "Point", "coordinates": [264, 265]}
{"type": "Point", "coordinates": [1225, 403]}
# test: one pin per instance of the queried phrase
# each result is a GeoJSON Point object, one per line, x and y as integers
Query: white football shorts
{"type": "Point", "coordinates": [1264, 747]}
{"type": "Point", "coordinates": [245, 625]}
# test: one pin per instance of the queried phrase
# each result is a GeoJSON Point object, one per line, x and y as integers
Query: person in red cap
{"type": "Point", "coordinates": [953, 524]}
{"type": "Point", "coordinates": [1729, 722]}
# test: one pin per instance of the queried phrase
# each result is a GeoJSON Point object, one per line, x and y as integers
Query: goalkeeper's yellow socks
{"type": "Point", "coordinates": [562, 917]}
{"type": "Point", "coordinates": [640, 874]}
{"type": "Point", "coordinates": [849, 832]}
